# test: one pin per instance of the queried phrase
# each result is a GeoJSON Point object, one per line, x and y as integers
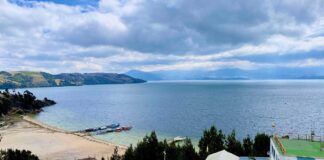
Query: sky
{"type": "Point", "coordinates": [160, 35]}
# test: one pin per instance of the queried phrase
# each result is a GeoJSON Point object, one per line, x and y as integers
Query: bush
{"type": "Point", "coordinates": [11, 154]}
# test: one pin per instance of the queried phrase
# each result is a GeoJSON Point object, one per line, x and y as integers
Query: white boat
{"type": "Point", "coordinates": [178, 139]}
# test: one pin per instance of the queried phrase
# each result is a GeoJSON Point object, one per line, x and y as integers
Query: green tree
{"type": "Point", "coordinates": [17, 155]}
{"type": "Point", "coordinates": [172, 151]}
{"type": "Point", "coordinates": [129, 153]}
{"type": "Point", "coordinates": [29, 98]}
{"type": "Point", "coordinates": [261, 144]}
{"type": "Point", "coordinates": [212, 141]}
{"type": "Point", "coordinates": [234, 146]}
{"type": "Point", "coordinates": [188, 151]}
{"type": "Point", "coordinates": [247, 146]}
{"type": "Point", "coordinates": [150, 148]}
{"type": "Point", "coordinates": [115, 155]}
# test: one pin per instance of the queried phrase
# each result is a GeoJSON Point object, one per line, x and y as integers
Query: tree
{"type": "Point", "coordinates": [247, 146]}
{"type": "Point", "coordinates": [115, 155]}
{"type": "Point", "coordinates": [29, 98]}
{"type": "Point", "coordinates": [261, 144]}
{"type": "Point", "coordinates": [11, 154]}
{"type": "Point", "coordinates": [212, 141]}
{"type": "Point", "coordinates": [234, 146]}
{"type": "Point", "coordinates": [21, 103]}
{"type": "Point", "coordinates": [188, 151]}
{"type": "Point", "coordinates": [129, 153]}
{"type": "Point", "coordinates": [172, 151]}
{"type": "Point", "coordinates": [150, 148]}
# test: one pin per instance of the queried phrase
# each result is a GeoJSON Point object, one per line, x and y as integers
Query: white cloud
{"type": "Point", "coordinates": [157, 35]}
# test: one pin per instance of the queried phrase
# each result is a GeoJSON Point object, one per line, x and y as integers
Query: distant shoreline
{"type": "Point", "coordinates": [27, 133]}
{"type": "Point", "coordinates": [29, 79]}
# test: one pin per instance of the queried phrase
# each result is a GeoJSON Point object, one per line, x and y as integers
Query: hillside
{"type": "Point", "coordinates": [24, 102]}
{"type": "Point", "coordinates": [23, 79]}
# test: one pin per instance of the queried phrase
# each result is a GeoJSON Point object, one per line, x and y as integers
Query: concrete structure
{"type": "Point", "coordinates": [294, 149]}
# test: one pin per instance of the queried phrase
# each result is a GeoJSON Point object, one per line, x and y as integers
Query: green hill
{"type": "Point", "coordinates": [23, 79]}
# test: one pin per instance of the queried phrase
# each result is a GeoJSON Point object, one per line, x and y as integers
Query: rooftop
{"type": "Point", "coordinates": [300, 148]}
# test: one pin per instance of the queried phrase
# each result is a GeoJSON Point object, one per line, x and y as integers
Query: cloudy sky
{"type": "Point", "coordinates": [160, 35]}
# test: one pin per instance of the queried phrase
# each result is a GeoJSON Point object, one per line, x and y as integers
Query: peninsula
{"type": "Point", "coordinates": [25, 79]}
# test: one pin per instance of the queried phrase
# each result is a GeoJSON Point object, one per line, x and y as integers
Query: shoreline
{"type": "Point", "coordinates": [83, 135]}
{"type": "Point", "coordinates": [49, 142]}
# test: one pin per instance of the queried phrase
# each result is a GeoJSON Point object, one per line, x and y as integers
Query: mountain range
{"type": "Point", "coordinates": [23, 79]}
{"type": "Point", "coordinates": [231, 74]}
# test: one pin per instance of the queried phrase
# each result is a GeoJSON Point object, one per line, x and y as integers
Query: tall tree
{"type": "Point", "coordinates": [247, 146]}
{"type": "Point", "coordinates": [150, 148]}
{"type": "Point", "coordinates": [188, 151]}
{"type": "Point", "coordinates": [129, 153]}
{"type": "Point", "coordinates": [234, 146]}
{"type": "Point", "coordinates": [261, 144]}
{"type": "Point", "coordinates": [212, 141]}
{"type": "Point", "coordinates": [171, 151]}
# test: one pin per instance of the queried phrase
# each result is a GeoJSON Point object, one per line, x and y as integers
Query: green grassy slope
{"type": "Point", "coordinates": [23, 79]}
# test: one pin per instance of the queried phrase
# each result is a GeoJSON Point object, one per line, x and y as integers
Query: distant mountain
{"type": "Point", "coordinates": [234, 74]}
{"type": "Point", "coordinates": [143, 75]}
{"type": "Point", "coordinates": [23, 79]}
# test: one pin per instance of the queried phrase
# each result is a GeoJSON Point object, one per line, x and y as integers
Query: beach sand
{"type": "Point", "coordinates": [53, 143]}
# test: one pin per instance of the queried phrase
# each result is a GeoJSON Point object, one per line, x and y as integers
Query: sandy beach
{"type": "Point", "coordinates": [52, 143]}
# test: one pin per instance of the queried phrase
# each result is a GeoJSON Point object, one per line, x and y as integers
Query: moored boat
{"type": "Point", "coordinates": [105, 131]}
{"type": "Point", "coordinates": [111, 126]}
{"type": "Point", "coordinates": [124, 128]}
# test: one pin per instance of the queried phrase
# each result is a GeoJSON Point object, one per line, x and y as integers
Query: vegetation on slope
{"type": "Point", "coordinates": [42, 79]}
{"type": "Point", "coordinates": [21, 103]}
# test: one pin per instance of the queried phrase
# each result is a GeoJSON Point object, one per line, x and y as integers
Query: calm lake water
{"type": "Point", "coordinates": [186, 108]}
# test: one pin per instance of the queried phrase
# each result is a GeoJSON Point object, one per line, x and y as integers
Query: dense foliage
{"type": "Point", "coordinates": [21, 103]}
{"type": "Point", "coordinates": [42, 79]}
{"type": "Point", "coordinates": [17, 155]}
{"type": "Point", "coordinates": [212, 141]}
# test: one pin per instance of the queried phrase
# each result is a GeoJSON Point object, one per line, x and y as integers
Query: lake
{"type": "Point", "coordinates": [186, 108]}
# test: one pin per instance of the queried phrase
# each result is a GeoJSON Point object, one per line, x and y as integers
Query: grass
{"type": "Point", "coordinates": [302, 148]}
{"type": "Point", "coordinates": [27, 73]}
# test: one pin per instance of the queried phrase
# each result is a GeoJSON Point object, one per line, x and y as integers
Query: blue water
{"type": "Point", "coordinates": [186, 108]}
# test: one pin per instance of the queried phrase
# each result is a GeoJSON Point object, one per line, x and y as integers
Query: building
{"type": "Point", "coordinates": [222, 155]}
{"type": "Point", "coordinates": [295, 149]}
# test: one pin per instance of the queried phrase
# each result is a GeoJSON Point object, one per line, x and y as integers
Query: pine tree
{"type": "Point", "coordinates": [234, 146]}
{"type": "Point", "coordinates": [247, 146]}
